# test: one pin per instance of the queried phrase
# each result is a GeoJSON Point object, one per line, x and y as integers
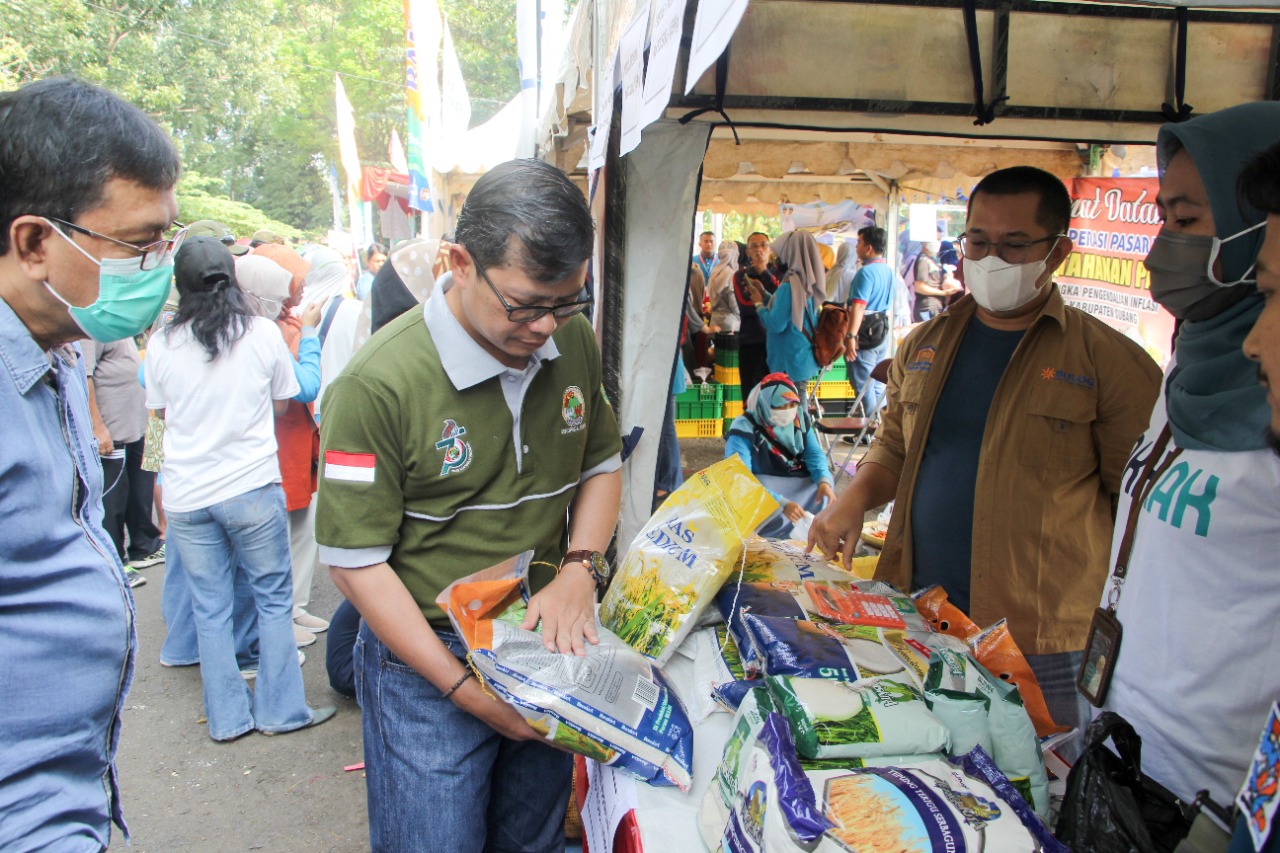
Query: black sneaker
{"type": "Point", "coordinates": [133, 577]}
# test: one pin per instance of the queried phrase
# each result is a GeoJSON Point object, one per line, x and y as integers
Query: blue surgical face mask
{"type": "Point", "coordinates": [129, 297]}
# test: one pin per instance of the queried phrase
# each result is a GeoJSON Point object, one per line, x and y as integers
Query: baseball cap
{"type": "Point", "coordinates": [263, 235]}
{"type": "Point", "coordinates": [240, 247]}
{"type": "Point", "coordinates": [211, 228]}
{"type": "Point", "coordinates": [202, 263]}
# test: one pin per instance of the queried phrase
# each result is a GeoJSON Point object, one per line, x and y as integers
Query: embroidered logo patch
{"type": "Point", "coordinates": [1050, 374]}
{"type": "Point", "coordinates": [457, 453]}
{"type": "Point", "coordinates": [573, 408]}
{"type": "Point", "coordinates": [923, 359]}
{"type": "Point", "coordinates": [351, 467]}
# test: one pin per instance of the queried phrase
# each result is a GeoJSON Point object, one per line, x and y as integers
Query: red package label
{"type": "Point", "coordinates": [853, 607]}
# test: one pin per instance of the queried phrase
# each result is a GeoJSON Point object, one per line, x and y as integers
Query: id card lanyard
{"type": "Point", "coordinates": [1103, 645]}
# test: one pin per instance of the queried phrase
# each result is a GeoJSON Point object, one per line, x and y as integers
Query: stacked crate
{"type": "Point", "coordinates": [699, 410]}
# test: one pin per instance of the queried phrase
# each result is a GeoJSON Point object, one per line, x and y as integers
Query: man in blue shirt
{"type": "Point", "coordinates": [85, 250]}
{"type": "Point", "coordinates": [869, 297]}
{"type": "Point", "coordinates": [705, 258]}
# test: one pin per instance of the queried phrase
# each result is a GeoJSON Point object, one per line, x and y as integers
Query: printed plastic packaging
{"type": "Point", "coordinates": [680, 559]}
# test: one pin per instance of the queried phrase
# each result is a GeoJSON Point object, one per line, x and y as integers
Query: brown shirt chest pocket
{"type": "Point", "coordinates": [1057, 430]}
{"type": "Point", "coordinates": [911, 395]}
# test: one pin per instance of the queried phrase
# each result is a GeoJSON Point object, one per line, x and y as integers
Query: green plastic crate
{"type": "Point", "coordinates": [838, 372]}
{"type": "Point", "coordinates": [726, 357]}
{"type": "Point", "coordinates": [732, 393]}
{"type": "Point", "coordinates": [701, 401]}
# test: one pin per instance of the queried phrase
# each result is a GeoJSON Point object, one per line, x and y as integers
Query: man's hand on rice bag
{"type": "Point", "coordinates": [567, 608]}
{"type": "Point", "coordinates": [493, 712]}
{"type": "Point", "coordinates": [836, 529]}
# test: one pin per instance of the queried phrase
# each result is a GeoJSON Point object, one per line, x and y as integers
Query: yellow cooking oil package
{"type": "Point", "coordinates": [680, 559]}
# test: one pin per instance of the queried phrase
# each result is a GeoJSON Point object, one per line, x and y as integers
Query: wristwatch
{"type": "Point", "coordinates": [592, 561]}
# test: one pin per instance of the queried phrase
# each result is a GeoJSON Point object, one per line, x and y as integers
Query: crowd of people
{"type": "Point", "coordinates": [443, 411]}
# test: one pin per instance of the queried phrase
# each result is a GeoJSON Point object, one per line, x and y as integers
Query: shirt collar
{"type": "Point", "coordinates": [1055, 308]}
{"type": "Point", "coordinates": [20, 353]}
{"type": "Point", "coordinates": [465, 362]}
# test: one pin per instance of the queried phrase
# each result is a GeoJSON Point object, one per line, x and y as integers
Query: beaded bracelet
{"type": "Point", "coordinates": [457, 684]}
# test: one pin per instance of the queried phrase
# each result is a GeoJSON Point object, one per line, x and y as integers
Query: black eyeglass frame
{"type": "Point", "coordinates": [1022, 246]}
{"type": "Point", "coordinates": [153, 254]}
{"type": "Point", "coordinates": [534, 312]}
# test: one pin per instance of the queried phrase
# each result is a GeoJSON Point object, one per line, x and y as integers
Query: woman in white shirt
{"type": "Point", "coordinates": [213, 374]}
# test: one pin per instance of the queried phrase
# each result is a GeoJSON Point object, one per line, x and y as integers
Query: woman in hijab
{"type": "Point", "coordinates": [774, 436]}
{"type": "Point", "coordinates": [841, 275]}
{"type": "Point", "coordinates": [793, 309]}
{"type": "Point", "coordinates": [214, 373]}
{"type": "Point", "coordinates": [724, 307]}
{"type": "Point", "coordinates": [1203, 558]}
{"type": "Point", "coordinates": [298, 438]}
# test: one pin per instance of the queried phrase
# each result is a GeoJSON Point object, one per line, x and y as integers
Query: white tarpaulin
{"type": "Point", "coordinates": [712, 30]}
{"type": "Point", "coordinates": [655, 272]}
{"type": "Point", "coordinates": [843, 219]}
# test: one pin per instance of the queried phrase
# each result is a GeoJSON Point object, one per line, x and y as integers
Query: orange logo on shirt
{"type": "Point", "coordinates": [1048, 373]}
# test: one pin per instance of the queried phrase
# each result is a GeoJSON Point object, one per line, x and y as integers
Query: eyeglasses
{"type": "Point", "coordinates": [153, 254]}
{"type": "Point", "coordinates": [530, 313]}
{"type": "Point", "coordinates": [1009, 251]}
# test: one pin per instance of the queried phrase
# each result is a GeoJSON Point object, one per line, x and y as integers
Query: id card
{"type": "Point", "coordinates": [1099, 657]}
{"type": "Point", "coordinates": [1260, 795]}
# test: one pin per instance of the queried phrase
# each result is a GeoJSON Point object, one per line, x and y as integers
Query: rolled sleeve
{"type": "Point", "coordinates": [354, 558]}
{"type": "Point", "coordinates": [608, 466]}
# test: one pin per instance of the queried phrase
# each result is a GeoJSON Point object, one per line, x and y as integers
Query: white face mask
{"type": "Point", "coordinates": [783, 417]}
{"type": "Point", "coordinates": [1000, 286]}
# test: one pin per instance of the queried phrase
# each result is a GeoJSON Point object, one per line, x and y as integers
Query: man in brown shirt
{"type": "Point", "coordinates": [1009, 421]}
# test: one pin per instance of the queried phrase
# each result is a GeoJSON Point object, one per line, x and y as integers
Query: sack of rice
{"type": "Point", "coordinates": [813, 649]}
{"type": "Point", "coordinates": [767, 801]}
{"type": "Point", "coordinates": [613, 705]}
{"type": "Point", "coordinates": [955, 689]}
{"type": "Point", "coordinates": [785, 560]}
{"type": "Point", "coordinates": [863, 719]}
{"type": "Point", "coordinates": [995, 649]}
{"type": "Point", "coordinates": [681, 558]}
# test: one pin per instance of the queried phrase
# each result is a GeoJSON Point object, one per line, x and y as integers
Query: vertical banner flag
{"type": "Point", "coordinates": [712, 29]}
{"type": "Point", "coordinates": [395, 153]}
{"type": "Point", "coordinates": [631, 61]}
{"type": "Point", "coordinates": [527, 51]}
{"type": "Point", "coordinates": [1113, 221]}
{"type": "Point", "coordinates": [664, 48]}
{"type": "Point", "coordinates": [455, 106]}
{"type": "Point", "coordinates": [347, 151]}
{"type": "Point", "coordinates": [422, 93]}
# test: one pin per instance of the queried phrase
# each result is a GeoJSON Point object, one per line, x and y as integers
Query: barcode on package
{"type": "Point", "coordinates": [646, 693]}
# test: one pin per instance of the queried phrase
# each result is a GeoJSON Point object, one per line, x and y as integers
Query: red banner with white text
{"type": "Point", "coordinates": [1113, 221]}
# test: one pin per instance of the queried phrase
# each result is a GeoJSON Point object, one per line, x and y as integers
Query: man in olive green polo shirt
{"type": "Point", "coordinates": [462, 434]}
{"type": "Point", "coordinates": [1010, 419]}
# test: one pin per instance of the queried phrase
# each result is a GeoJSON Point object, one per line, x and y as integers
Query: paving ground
{"type": "Point", "coordinates": [182, 791]}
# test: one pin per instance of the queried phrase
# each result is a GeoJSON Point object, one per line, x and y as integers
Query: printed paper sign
{"type": "Point", "coordinates": [712, 30]}
{"type": "Point", "coordinates": [631, 60]}
{"type": "Point", "coordinates": [664, 48]}
{"type": "Point", "coordinates": [603, 114]}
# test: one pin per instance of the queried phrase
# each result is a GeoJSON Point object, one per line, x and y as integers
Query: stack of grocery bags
{"type": "Point", "coordinates": [864, 720]}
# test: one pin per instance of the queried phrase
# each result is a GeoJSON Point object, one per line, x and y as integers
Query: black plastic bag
{"type": "Point", "coordinates": [1110, 806]}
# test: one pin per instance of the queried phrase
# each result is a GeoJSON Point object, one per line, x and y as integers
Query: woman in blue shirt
{"type": "Point", "coordinates": [776, 440]}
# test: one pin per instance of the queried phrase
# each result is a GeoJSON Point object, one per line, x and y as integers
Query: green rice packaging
{"type": "Point", "coordinates": [716, 663]}
{"type": "Point", "coordinates": [680, 559]}
{"type": "Point", "coordinates": [862, 719]}
{"type": "Point", "coordinates": [956, 688]}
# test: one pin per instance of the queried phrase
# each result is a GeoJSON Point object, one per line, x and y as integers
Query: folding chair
{"type": "Point", "coordinates": [855, 427]}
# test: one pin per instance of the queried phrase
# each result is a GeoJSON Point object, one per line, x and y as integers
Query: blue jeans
{"type": "Point", "coordinates": [860, 372]}
{"type": "Point", "coordinates": [181, 647]}
{"type": "Point", "coordinates": [249, 535]}
{"type": "Point", "coordinates": [344, 626]}
{"type": "Point", "coordinates": [439, 778]}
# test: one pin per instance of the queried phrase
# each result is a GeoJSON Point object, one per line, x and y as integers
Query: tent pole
{"type": "Point", "coordinates": [892, 225]}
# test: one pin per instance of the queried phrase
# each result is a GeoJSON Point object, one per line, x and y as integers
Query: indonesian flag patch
{"type": "Point", "coordinates": [352, 467]}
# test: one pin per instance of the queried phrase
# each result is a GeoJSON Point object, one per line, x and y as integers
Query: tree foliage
{"type": "Point", "coordinates": [246, 86]}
